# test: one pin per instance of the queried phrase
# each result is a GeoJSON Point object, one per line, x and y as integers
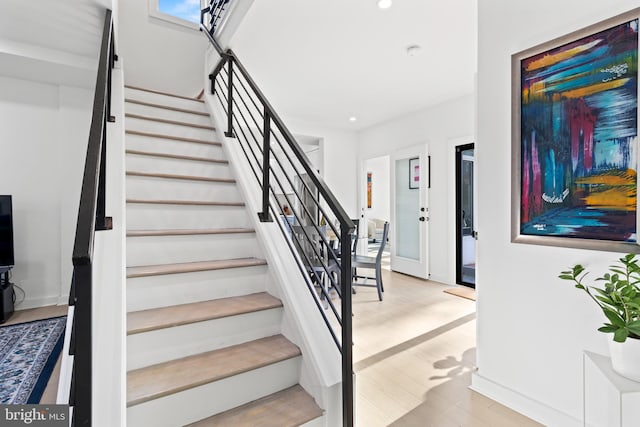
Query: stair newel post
{"type": "Point", "coordinates": [82, 362]}
{"type": "Point", "coordinates": [229, 132]}
{"type": "Point", "coordinates": [266, 156]}
{"type": "Point", "coordinates": [347, 338]}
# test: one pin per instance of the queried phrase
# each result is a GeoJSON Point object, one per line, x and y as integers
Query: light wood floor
{"type": "Point", "coordinates": [413, 357]}
{"type": "Point", "coordinates": [50, 392]}
{"type": "Point", "coordinates": [414, 354]}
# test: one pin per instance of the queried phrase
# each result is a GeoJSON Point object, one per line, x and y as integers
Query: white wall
{"type": "Point", "coordinates": [43, 141]}
{"type": "Point", "coordinates": [437, 127]}
{"type": "Point", "coordinates": [532, 327]}
{"type": "Point", "coordinates": [158, 54]}
{"type": "Point", "coordinates": [380, 182]}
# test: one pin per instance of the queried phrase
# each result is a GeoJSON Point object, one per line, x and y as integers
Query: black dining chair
{"type": "Point", "coordinates": [374, 263]}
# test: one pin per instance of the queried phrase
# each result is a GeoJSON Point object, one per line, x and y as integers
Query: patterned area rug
{"type": "Point", "coordinates": [28, 354]}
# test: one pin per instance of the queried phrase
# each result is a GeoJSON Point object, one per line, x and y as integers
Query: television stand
{"type": "Point", "coordinates": [6, 295]}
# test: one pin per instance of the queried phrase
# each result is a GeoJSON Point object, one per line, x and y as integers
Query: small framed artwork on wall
{"type": "Point", "coordinates": [414, 173]}
{"type": "Point", "coordinates": [575, 139]}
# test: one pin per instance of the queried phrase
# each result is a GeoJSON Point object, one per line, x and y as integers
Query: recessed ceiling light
{"type": "Point", "coordinates": [413, 50]}
{"type": "Point", "coordinates": [353, 119]}
{"type": "Point", "coordinates": [384, 4]}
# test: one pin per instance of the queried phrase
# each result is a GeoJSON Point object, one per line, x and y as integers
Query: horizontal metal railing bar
{"type": "Point", "coordinates": [286, 153]}
{"type": "Point", "coordinates": [329, 197]}
{"type": "Point", "coordinates": [310, 285]}
{"type": "Point", "coordinates": [257, 165]}
{"type": "Point", "coordinates": [303, 160]}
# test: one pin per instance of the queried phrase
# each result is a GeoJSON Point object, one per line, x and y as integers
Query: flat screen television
{"type": "Point", "coordinates": [6, 233]}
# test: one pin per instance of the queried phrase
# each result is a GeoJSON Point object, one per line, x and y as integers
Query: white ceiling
{"type": "Point", "coordinates": [343, 58]}
{"type": "Point", "coordinates": [55, 42]}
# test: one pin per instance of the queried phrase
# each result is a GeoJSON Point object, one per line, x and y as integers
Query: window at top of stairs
{"type": "Point", "coordinates": [181, 12]}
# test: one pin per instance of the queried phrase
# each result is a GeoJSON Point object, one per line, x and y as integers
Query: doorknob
{"type": "Point", "coordinates": [421, 218]}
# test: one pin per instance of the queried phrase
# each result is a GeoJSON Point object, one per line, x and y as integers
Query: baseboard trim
{"type": "Point", "coordinates": [38, 302]}
{"type": "Point", "coordinates": [531, 408]}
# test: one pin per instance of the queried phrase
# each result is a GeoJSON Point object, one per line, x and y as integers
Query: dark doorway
{"type": "Point", "coordinates": [465, 221]}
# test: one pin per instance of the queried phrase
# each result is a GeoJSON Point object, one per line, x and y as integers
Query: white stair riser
{"type": "Point", "coordinates": [201, 402]}
{"type": "Point", "coordinates": [163, 113]}
{"type": "Point", "coordinates": [172, 289]}
{"type": "Point", "coordinates": [141, 187]}
{"type": "Point", "coordinates": [155, 217]}
{"type": "Point", "coordinates": [168, 129]}
{"type": "Point", "coordinates": [318, 422]}
{"type": "Point", "coordinates": [163, 145]}
{"type": "Point", "coordinates": [142, 163]}
{"type": "Point", "coordinates": [141, 95]}
{"type": "Point", "coordinates": [162, 345]}
{"type": "Point", "coordinates": [154, 250]}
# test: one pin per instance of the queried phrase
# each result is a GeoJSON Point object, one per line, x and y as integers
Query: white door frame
{"type": "Point", "coordinates": [420, 267]}
{"type": "Point", "coordinates": [451, 190]}
{"type": "Point", "coordinates": [364, 212]}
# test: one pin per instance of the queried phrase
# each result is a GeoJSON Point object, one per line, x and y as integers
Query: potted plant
{"type": "Point", "coordinates": [619, 300]}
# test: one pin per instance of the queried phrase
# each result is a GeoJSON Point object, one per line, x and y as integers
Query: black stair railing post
{"type": "Point", "coordinates": [101, 220]}
{"type": "Point", "coordinates": [82, 383]}
{"type": "Point", "coordinates": [347, 338]}
{"type": "Point", "coordinates": [229, 132]}
{"type": "Point", "coordinates": [266, 155]}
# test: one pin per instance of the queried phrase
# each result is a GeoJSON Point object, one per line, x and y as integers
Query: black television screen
{"type": "Point", "coordinates": [6, 232]}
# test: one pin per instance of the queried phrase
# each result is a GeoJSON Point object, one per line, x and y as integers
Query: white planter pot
{"type": "Point", "coordinates": [625, 358]}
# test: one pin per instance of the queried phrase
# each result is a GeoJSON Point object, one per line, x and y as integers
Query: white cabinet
{"type": "Point", "coordinates": [609, 399]}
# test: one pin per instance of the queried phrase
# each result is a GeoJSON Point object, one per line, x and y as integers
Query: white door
{"type": "Point", "coordinates": [409, 231]}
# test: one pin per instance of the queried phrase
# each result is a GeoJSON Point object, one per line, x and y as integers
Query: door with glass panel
{"type": "Point", "coordinates": [409, 234]}
{"type": "Point", "coordinates": [465, 217]}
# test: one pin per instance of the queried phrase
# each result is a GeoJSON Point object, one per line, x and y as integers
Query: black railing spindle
{"type": "Point", "coordinates": [266, 151]}
{"type": "Point", "coordinates": [229, 132]}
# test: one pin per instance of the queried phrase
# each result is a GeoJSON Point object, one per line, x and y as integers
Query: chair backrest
{"type": "Point", "coordinates": [385, 234]}
{"type": "Point", "coordinates": [354, 237]}
{"type": "Point", "coordinates": [307, 242]}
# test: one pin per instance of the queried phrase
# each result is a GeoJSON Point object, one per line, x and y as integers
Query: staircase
{"type": "Point", "coordinates": [204, 342]}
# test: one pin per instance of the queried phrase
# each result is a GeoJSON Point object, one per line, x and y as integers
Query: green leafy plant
{"type": "Point", "coordinates": [618, 298]}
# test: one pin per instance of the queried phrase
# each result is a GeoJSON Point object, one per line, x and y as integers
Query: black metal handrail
{"type": "Point", "coordinates": [315, 225]}
{"type": "Point", "coordinates": [216, 11]}
{"type": "Point", "coordinates": [91, 217]}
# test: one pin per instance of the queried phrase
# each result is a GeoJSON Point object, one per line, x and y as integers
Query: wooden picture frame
{"type": "Point", "coordinates": [575, 139]}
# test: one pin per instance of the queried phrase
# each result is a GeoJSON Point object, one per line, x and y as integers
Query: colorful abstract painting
{"type": "Point", "coordinates": [579, 137]}
{"type": "Point", "coordinates": [369, 189]}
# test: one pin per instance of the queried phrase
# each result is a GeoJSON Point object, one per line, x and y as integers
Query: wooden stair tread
{"type": "Point", "coordinates": [175, 156]}
{"type": "Point", "coordinates": [287, 408]}
{"type": "Point", "coordinates": [183, 314]}
{"type": "Point", "coordinates": [165, 107]}
{"type": "Point", "coordinates": [172, 137]}
{"type": "Point", "coordinates": [184, 202]}
{"type": "Point", "coordinates": [188, 232]}
{"type": "Point", "coordinates": [167, 121]}
{"type": "Point", "coordinates": [158, 92]}
{"type": "Point", "coordinates": [166, 378]}
{"type": "Point", "coordinates": [181, 177]}
{"type": "Point", "coordinates": [188, 267]}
